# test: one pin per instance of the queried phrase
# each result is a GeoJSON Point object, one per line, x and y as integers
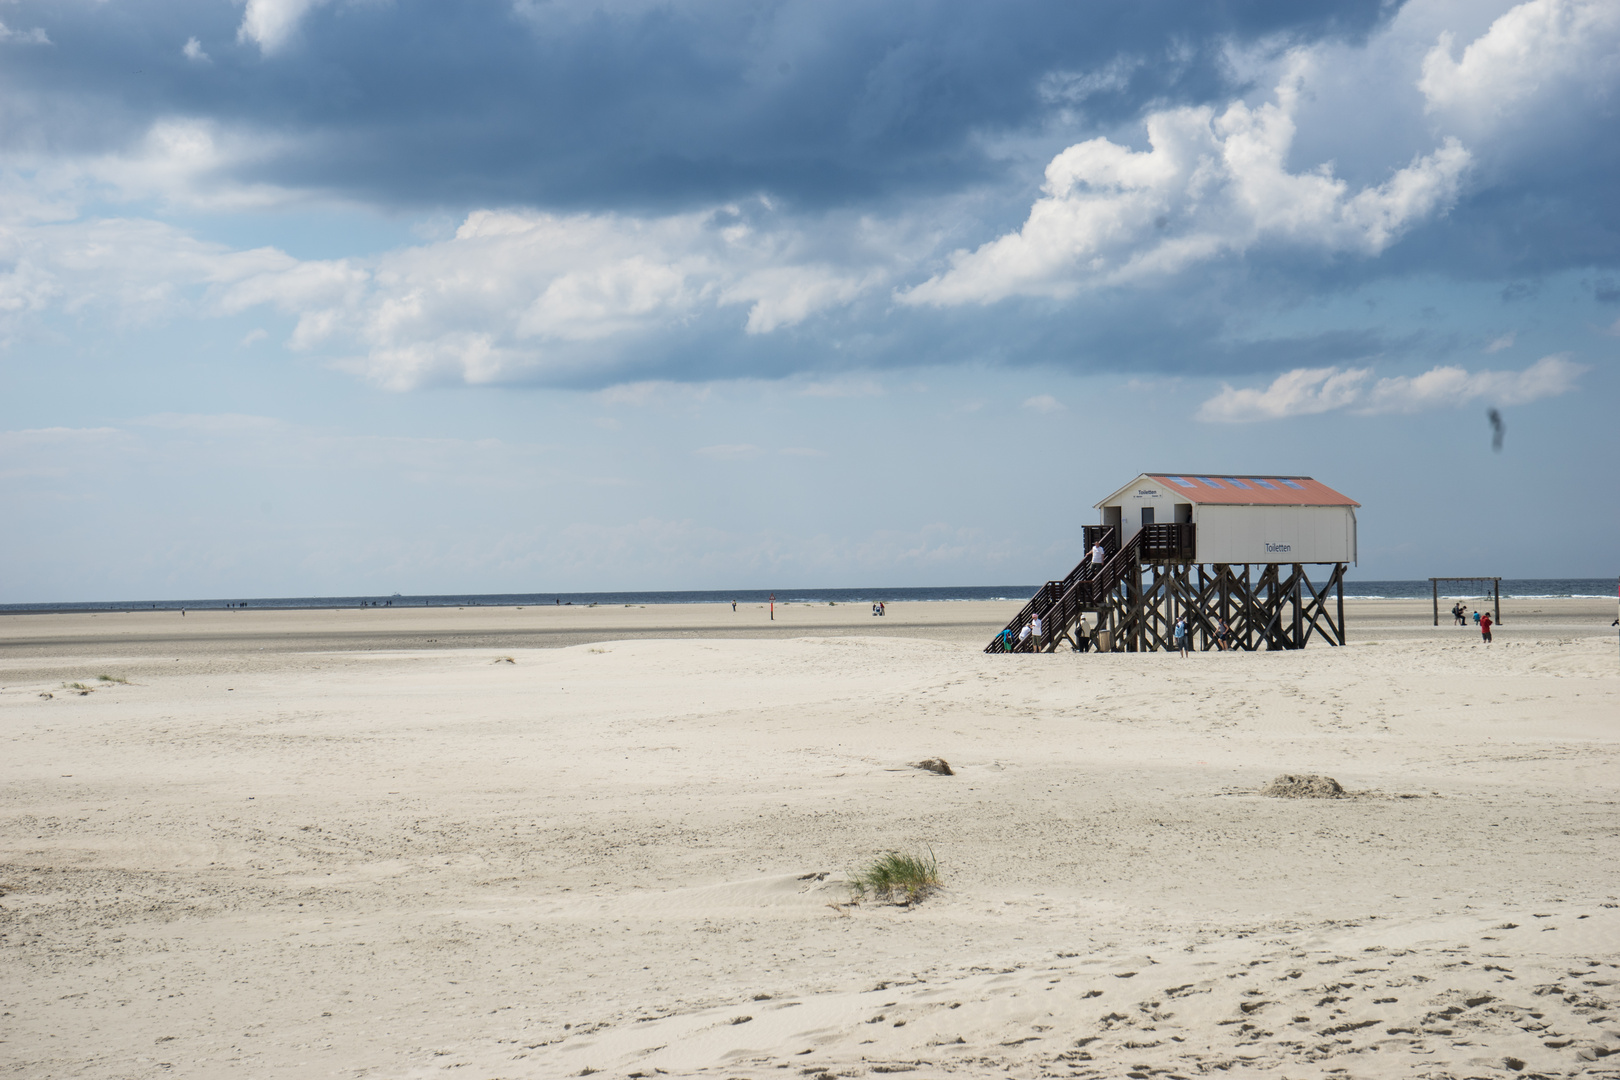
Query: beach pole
{"type": "Point", "coordinates": [773, 607]}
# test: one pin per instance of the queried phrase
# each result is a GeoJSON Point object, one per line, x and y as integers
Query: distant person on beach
{"type": "Point", "coordinates": [1485, 627]}
{"type": "Point", "coordinates": [1476, 618]}
{"type": "Point", "coordinates": [734, 605]}
{"type": "Point", "coordinates": [1035, 631]}
{"type": "Point", "coordinates": [1223, 636]}
{"type": "Point", "coordinates": [1023, 636]}
{"type": "Point", "coordinates": [883, 609]}
{"type": "Point", "coordinates": [1097, 554]}
{"type": "Point", "coordinates": [1181, 636]}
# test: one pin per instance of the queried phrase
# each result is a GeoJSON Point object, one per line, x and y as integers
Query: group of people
{"type": "Point", "coordinates": [1224, 638]}
{"type": "Point", "coordinates": [1034, 633]}
{"type": "Point", "coordinates": [880, 608]}
{"type": "Point", "coordinates": [1482, 619]}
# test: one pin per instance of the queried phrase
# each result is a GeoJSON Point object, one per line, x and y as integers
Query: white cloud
{"type": "Point", "coordinates": [144, 271]}
{"type": "Point", "coordinates": [1503, 342]}
{"type": "Point", "coordinates": [1307, 391]}
{"type": "Point", "coordinates": [523, 293]}
{"type": "Point", "coordinates": [729, 451]}
{"type": "Point", "coordinates": [191, 163]}
{"type": "Point", "coordinates": [1445, 387]}
{"type": "Point", "coordinates": [1300, 392]}
{"type": "Point", "coordinates": [510, 294]}
{"type": "Point", "coordinates": [784, 296]}
{"type": "Point", "coordinates": [1044, 403]}
{"type": "Point", "coordinates": [1212, 184]}
{"type": "Point", "coordinates": [1074, 87]}
{"type": "Point", "coordinates": [1541, 52]}
{"type": "Point", "coordinates": [36, 36]}
{"type": "Point", "coordinates": [193, 50]}
{"type": "Point", "coordinates": [180, 162]}
{"type": "Point", "coordinates": [272, 23]}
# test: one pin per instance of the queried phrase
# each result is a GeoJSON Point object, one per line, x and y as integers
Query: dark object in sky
{"type": "Point", "coordinates": [1497, 428]}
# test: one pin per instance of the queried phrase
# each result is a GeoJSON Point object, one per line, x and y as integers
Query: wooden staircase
{"type": "Point", "coordinates": [1061, 603]}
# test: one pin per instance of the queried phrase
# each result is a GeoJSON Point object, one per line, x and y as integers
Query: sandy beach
{"type": "Point", "coordinates": [543, 842]}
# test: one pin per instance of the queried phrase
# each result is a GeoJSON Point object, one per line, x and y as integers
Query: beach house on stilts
{"type": "Point", "coordinates": [1206, 548]}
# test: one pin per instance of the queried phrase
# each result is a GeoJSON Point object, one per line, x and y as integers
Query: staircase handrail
{"type": "Point", "coordinates": [1062, 597]}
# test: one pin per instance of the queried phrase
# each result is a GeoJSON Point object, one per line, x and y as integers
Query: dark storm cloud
{"type": "Point", "coordinates": [628, 104]}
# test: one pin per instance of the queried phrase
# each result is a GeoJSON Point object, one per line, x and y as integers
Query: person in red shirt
{"type": "Point", "coordinates": [1485, 627]}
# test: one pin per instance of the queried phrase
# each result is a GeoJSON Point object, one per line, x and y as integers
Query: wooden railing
{"type": "Point", "coordinates": [1059, 603]}
{"type": "Point", "coordinates": [1173, 541]}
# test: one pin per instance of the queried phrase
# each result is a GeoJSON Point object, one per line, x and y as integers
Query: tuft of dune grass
{"type": "Point", "coordinates": [897, 876]}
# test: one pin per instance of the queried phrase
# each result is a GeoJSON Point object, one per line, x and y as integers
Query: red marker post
{"type": "Point", "coordinates": [773, 607]}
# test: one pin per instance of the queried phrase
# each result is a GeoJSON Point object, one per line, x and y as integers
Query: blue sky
{"type": "Point", "coordinates": [350, 296]}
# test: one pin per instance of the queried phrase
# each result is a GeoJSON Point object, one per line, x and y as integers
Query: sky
{"type": "Point", "coordinates": [342, 297]}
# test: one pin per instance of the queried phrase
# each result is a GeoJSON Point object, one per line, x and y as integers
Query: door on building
{"type": "Point", "coordinates": [1147, 515]}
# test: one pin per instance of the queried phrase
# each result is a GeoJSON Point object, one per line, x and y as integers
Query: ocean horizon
{"type": "Point", "coordinates": [1512, 589]}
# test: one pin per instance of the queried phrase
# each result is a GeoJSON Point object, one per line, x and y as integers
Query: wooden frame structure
{"type": "Point", "coordinates": [1265, 605]}
{"type": "Point", "coordinates": [1141, 590]}
{"type": "Point", "coordinates": [1496, 594]}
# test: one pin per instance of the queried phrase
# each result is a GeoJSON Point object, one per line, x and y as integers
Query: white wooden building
{"type": "Point", "coordinates": [1241, 519]}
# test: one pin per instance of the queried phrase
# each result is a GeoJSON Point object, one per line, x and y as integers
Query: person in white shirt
{"type": "Point", "coordinates": [1035, 631]}
{"type": "Point", "coordinates": [1097, 555]}
{"type": "Point", "coordinates": [1023, 636]}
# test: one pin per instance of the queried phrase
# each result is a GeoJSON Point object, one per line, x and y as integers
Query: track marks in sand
{"type": "Point", "coordinates": [1416, 999]}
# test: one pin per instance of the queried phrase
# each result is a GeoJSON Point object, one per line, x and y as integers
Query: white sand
{"type": "Point", "coordinates": [256, 860]}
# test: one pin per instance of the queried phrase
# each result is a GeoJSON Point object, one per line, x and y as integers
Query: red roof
{"type": "Point", "coordinates": [1252, 490]}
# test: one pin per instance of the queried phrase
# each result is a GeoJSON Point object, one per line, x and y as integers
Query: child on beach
{"type": "Point", "coordinates": [1181, 636]}
{"type": "Point", "coordinates": [1485, 627]}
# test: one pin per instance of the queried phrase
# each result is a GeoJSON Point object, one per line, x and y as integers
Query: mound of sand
{"type": "Point", "coordinates": [1305, 786]}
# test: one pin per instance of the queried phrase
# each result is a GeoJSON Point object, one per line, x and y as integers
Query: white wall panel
{"type": "Point", "coordinates": [1280, 534]}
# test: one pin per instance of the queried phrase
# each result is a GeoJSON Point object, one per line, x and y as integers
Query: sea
{"type": "Point", "coordinates": [1512, 588]}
